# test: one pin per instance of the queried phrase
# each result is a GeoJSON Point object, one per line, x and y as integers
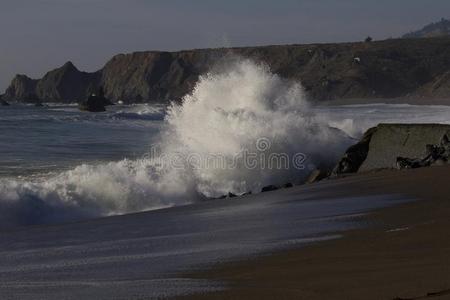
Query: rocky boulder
{"type": "Point", "coordinates": [269, 188]}
{"type": "Point", "coordinates": [3, 102]}
{"type": "Point", "coordinates": [355, 156]}
{"type": "Point", "coordinates": [390, 146]}
{"type": "Point", "coordinates": [95, 102]}
{"type": "Point", "coordinates": [316, 175]}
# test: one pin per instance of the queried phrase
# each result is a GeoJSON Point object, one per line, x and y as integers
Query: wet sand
{"type": "Point", "coordinates": [404, 254]}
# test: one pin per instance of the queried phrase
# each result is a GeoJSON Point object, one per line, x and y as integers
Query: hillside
{"type": "Point", "coordinates": [438, 29]}
{"type": "Point", "coordinates": [384, 69]}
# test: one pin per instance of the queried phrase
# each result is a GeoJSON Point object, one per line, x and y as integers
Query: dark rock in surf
{"type": "Point", "coordinates": [95, 102]}
{"type": "Point", "coordinates": [3, 103]}
{"type": "Point", "coordinates": [316, 176]}
{"type": "Point", "coordinates": [409, 163]}
{"type": "Point", "coordinates": [92, 104]}
{"type": "Point", "coordinates": [38, 104]}
{"type": "Point", "coordinates": [288, 185]}
{"type": "Point", "coordinates": [353, 157]}
{"type": "Point", "coordinates": [269, 188]}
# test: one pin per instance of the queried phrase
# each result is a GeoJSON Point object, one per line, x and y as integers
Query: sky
{"type": "Point", "coordinates": [40, 35]}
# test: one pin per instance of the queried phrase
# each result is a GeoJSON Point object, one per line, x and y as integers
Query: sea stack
{"type": "Point", "coordinates": [95, 102]}
{"type": "Point", "coordinates": [3, 102]}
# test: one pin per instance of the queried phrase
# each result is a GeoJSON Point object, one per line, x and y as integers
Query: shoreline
{"type": "Point", "coordinates": [406, 255]}
{"type": "Point", "coordinates": [416, 101]}
{"type": "Point", "coordinates": [419, 101]}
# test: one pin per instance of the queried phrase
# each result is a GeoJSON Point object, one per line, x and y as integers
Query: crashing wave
{"type": "Point", "coordinates": [231, 110]}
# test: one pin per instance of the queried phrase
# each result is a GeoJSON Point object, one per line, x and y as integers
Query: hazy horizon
{"type": "Point", "coordinates": [41, 35]}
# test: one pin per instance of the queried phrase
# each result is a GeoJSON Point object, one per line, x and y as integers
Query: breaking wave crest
{"type": "Point", "coordinates": [141, 112]}
{"type": "Point", "coordinates": [230, 110]}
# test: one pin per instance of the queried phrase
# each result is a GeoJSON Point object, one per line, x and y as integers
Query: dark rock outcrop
{"type": "Point", "coordinates": [390, 146]}
{"type": "Point", "coordinates": [92, 104]}
{"type": "Point", "coordinates": [316, 175]}
{"type": "Point", "coordinates": [381, 69]}
{"type": "Point", "coordinates": [3, 102]}
{"type": "Point", "coordinates": [95, 102]}
{"type": "Point", "coordinates": [66, 84]}
{"type": "Point", "coordinates": [355, 155]}
{"type": "Point", "coordinates": [38, 104]}
{"type": "Point", "coordinates": [269, 188]}
{"type": "Point", "coordinates": [22, 88]}
{"type": "Point", "coordinates": [435, 155]}
{"type": "Point", "coordinates": [438, 87]}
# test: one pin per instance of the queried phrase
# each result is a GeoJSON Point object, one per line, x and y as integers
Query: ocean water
{"type": "Point", "coordinates": [35, 141]}
{"type": "Point", "coordinates": [58, 164]}
{"type": "Point", "coordinates": [39, 140]}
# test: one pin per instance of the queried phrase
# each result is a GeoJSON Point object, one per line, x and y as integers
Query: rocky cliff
{"type": "Point", "coordinates": [65, 84]}
{"type": "Point", "coordinates": [384, 69]}
{"type": "Point", "coordinates": [22, 88]}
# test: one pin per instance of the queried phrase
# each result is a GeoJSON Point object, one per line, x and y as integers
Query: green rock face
{"type": "Point", "coordinates": [382, 146]}
{"type": "Point", "coordinates": [391, 141]}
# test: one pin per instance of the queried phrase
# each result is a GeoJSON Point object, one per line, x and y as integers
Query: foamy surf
{"type": "Point", "coordinates": [232, 109]}
{"type": "Point", "coordinates": [229, 111]}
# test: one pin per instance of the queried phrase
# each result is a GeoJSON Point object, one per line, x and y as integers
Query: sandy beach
{"type": "Point", "coordinates": [404, 254]}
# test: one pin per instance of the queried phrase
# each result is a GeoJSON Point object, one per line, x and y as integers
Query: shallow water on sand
{"type": "Point", "coordinates": [145, 255]}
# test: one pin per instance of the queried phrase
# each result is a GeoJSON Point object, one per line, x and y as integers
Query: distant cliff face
{"type": "Point", "coordinates": [150, 76]}
{"type": "Point", "coordinates": [385, 69]}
